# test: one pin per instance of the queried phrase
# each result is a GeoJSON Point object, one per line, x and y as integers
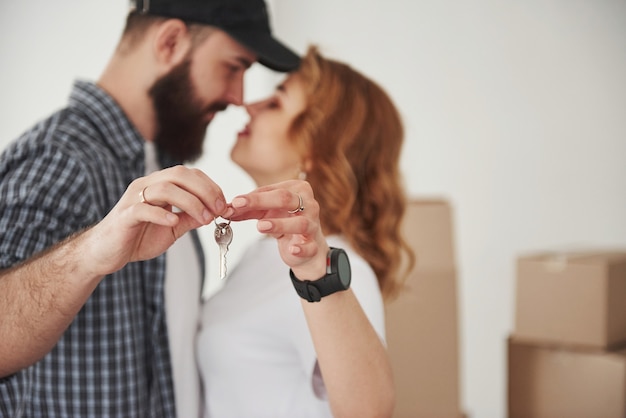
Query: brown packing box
{"type": "Point", "coordinates": [422, 339]}
{"type": "Point", "coordinates": [554, 381]}
{"type": "Point", "coordinates": [428, 230]}
{"type": "Point", "coordinates": [572, 298]}
{"type": "Point", "coordinates": [422, 323]}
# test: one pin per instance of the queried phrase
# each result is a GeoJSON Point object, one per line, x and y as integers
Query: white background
{"type": "Point", "coordinates": [515, 112]}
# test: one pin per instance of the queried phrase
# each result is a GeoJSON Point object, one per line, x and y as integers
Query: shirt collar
{"type": "Point", "coordinates": [108, 117]}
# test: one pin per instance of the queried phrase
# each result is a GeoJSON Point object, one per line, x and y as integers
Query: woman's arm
{"type": "Point", "coordinates": [353, 361]}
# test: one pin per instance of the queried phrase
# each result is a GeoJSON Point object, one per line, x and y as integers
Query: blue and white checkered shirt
{"type": "Point", "coordinates": [63, 175]}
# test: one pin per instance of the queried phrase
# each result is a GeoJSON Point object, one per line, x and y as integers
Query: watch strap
{"type": "Point", "coordinates": [315, 290]}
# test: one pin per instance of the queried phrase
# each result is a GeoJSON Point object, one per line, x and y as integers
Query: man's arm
{"type": "Point", "coordinates": [40, 297]}
{"type": "Point", "coordinates": [38, 301]}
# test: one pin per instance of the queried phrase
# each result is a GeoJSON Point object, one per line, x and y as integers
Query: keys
{"type": "Point", "coordinates": [223, 237]}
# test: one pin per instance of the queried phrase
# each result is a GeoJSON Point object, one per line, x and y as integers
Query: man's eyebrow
{"type": "Point", "coordinates": [244, 62]}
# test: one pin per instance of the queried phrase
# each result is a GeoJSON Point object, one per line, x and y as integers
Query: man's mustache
{"type": "Point", "coordinates": [217, 107]}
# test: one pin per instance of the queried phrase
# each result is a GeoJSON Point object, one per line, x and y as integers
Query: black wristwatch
{"type": "Point", "coordinates": [336, 279]}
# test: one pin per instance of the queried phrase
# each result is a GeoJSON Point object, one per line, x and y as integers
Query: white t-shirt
{"type": "Point", "coordinates": [182, 308]}
{"type": "Point", "coordinates": [255, 352]}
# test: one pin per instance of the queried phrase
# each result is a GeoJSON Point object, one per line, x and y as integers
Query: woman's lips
{"type": "Point", "coordinates": [245, 131]}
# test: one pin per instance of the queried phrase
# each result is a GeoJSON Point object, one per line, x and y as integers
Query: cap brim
{"type": "Point", "coordinates": [271, 53]}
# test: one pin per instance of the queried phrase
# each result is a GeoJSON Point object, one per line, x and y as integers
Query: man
{"type": "Point", "coordinates": [87, 292]}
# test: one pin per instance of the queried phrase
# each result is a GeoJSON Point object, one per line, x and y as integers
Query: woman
{"type": "Point", "coordinates": [264, 351]}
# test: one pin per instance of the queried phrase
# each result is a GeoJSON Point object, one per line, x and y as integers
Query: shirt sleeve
{"type": "Point", "coordinates": [43, 199]}
{"type": "Point", "coordinates": [367, 291]}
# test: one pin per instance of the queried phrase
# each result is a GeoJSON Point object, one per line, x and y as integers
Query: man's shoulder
{"type": "Point", "coordinates": [64, 131]}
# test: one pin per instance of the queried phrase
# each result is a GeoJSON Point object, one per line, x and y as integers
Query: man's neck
{"type": "Point", "coordinates": [129, 86]}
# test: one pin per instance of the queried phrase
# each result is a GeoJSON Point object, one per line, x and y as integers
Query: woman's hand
{"type": "Point", "coordinates": [288, 212]}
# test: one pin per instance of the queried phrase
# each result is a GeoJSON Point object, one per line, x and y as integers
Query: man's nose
{"type": "Point", "coordinates": [234, 95]}
{"type": "Point", "coordinates": [252, 108]}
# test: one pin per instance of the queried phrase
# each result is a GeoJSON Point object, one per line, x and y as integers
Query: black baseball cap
{"type": "Point", "coordinates": [246, 21]}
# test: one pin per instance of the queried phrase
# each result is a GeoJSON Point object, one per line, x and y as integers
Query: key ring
{"type": "Point", "coordinates": [215, 221]}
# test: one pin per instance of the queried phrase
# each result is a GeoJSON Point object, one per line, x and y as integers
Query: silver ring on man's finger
{"type": "Point", "coordinates": [300, 207]}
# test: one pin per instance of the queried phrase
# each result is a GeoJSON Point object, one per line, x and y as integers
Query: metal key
{"type": "Point", "coordinates": [223, 237]}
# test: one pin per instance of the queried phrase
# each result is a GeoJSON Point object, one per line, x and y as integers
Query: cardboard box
{"type": "Point", "coordinates": [422, 341]}
{"type": "Point", "coordinates": [554, 382]}
{"type": "Point", "coordinates": [422, 323]}
{"type": "Point", "coordinates": [428, 229]}
{"type": "Point", "coordinates": [572, 298]}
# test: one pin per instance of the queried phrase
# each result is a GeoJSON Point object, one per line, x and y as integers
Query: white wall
{"type": "Point", "coordinates": [515, 112]}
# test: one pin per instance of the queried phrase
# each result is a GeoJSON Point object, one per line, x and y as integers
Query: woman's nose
{"type": "Point", "coordinates": [249, 108]}
{"type": "Point", "coordinates": [254, 107]}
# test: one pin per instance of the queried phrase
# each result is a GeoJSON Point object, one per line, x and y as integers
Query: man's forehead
{"type": "Point", "coordinates": [229, 47]}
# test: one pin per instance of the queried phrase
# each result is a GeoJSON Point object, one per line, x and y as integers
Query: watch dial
{"type": "Point", "coordinates": [343, 267]}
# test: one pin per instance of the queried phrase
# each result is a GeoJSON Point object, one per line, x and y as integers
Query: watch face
{"type": "Point", "coordinates": [343, 268]}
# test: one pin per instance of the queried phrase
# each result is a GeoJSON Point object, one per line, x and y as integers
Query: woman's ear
{"type": "Point", "coordinates": [172, 43]}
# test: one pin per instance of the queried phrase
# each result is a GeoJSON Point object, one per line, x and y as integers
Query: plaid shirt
{"type": "Point", "coordinates": [63, 175]}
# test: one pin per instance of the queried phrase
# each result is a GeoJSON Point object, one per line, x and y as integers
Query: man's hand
{"type": "Point", "coordinates": [40, 297]}
{"type": "Point", "coordinates": [152, 214]}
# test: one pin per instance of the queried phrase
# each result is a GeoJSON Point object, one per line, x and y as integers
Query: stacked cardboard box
{"type": "Point", "coordinates": [564, 357]}
{"type": "Point", "coordinates": [422, 323]}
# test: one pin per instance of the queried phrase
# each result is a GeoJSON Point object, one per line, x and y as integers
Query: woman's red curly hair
{"type": "Point", "coordinates": [351, 134]}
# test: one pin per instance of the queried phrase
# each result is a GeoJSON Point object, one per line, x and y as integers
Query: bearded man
{"type": "Point", "coordinates": [95, 205]}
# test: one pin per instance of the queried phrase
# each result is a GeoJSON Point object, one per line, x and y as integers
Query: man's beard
{"type": "Point", "coordinates": [181, 126]}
